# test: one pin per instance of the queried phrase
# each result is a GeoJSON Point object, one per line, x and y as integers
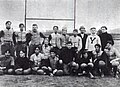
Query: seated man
{"type": "Point", "coordinates": [56, 65]}
{"type": "Point", "coordinates": [67, 55]}
{"type": "Point", "coordinates": [114, 57]}
{"type": "Point", "coordinates": [6, 63]}
{"type": "Point", "coordinates": [85, 64]}
{"type": "Point", "coordinates": [36, 62]}
{"type": "Point", "coordinates": [22, 64]}
{"type": "Point", "coordinates": [100, 60]}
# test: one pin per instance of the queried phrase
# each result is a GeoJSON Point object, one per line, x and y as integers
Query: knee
{"type": "Point", "coordinates": [27, 71]}
{"type": "Point", "coordinates": [35, 68]}
{"type": "Point", "coordinates": [90, 64]}
{"type": "Point", "coordinates": [75, 65]}
{"type": "Point", "coordinates": [44, 68]}
{"type": "Point", "coordinates": [83, 65]}
{"type": "Point", "coordinates": [115, 63]}
{"type": "Point", "coordinates": [40, 72]}
{"type": "Point", "coordinates": [59, 73]}
{"type": "Point", "coordinates": [101, 63]}
{"type": "Point", "coordinates": [18, 72]}
{"type": "Point", "coordinates": [10, 71]}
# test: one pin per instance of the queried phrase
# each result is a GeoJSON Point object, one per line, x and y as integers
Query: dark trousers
{"type": "Point", "coordinates": [7, 46]}
{"type": "Point", "coordinates": [20, 46]}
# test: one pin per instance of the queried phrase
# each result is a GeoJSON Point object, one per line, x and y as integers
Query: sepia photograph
{"type": "Point", "coordinates": [59, 43]}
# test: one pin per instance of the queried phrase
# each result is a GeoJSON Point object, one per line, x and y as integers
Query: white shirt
{"type": "Point", "coordinates": [91, 41]}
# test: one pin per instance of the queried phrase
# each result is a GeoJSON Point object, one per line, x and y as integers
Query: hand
{"type": "Point", "coordinates": [112, 61]}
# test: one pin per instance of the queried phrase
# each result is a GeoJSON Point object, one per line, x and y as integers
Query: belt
{"type": "Point", "coordinates": [21, 42]}
{"type": "Point", "coordinates": [7, 41]}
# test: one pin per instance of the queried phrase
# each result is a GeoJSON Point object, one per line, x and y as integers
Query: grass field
{"type": "Point", "coordinates": [64, 81]}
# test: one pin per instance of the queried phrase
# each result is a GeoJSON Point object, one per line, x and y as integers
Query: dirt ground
{"type": "Point", "coordinates": [64, 81]}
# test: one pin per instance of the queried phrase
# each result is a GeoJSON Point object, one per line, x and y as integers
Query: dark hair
{"type": "Point", "coordinates": [8, 51]}
{"type": "Point", "coordinates": [104, 27]}
{"type": "Point", "coordinates": [34, 25]}
{"type": "Point", "coordinates": [97, 45]}
{"type": "Point", "coordinates": [85, 51]}
{"type": "Point", "coordinates": [75, 30]}
{"type": "Point", "coordinates": [21, 24]}
{"type": "Point", "coordinates": [53, 50]}
{"type": "Point", "coordinates": [8, 22]}
{"type": "Point", "coordinates": [82, 27]}
{"type": "Point", "coordinates": [92, 28]}
{"type": "Point", "coordinates": [69, 42]}
{"type": "Point", "coordinates": [54, 27]}
{"type": "Point", "coordinates": [110, 42]}
{"type": "Point", "coordinates": [22, 51]}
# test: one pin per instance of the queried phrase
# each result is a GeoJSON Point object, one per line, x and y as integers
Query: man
{"type": "Point", "coordinates": [6, 63]}
{"type": "Point", "coordinates": [36, 59]}
{"type": "Point", "coordinates": [114, 57]}
{"type": "Point", "coordinates": [54, 40]}
{"type": "Point", "coordinates": [7, 39]}
{"type": "Point", "coordinates": [105, 37]}
{"type": "Point", "coordinates": [64, 37]}
{"type": "Point", "coordinates": [22, 64]}
{"type": "Point", "coordinates": [100, 60]}
{"type": "Point", "coordinates": [76, 41]}
{"type": "Point", "coordinates": [55, 64]}
{"type": "Point", "coordinates": [67, 55]}
{"type": "Point", "coordinates": [85, 64]}
{"type": "Point", "coordinates": [21, 40]}
{"type": "Point", "coordinates": [83, 36]}
{"type": "Point", "coordinates": [36, 39]}
{"type": "Point", "coordinates": [92, 40]}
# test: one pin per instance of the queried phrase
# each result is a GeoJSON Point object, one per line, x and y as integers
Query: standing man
{"type": "Point", "coordinates": [92, 40]}
{"type": "Point", "coordinates": [83, 36]}
{"type": "Point", "coordinates": [7, 39]}
{"type": "Point", "coordinates": [36, 39]}
{"type": "Point", "coordinates": [54, 39]}
{"type": "Point", "coordinates": [76, 41]}
{"type": "Point", "coordinates": [21, 40]}
{"type": "Point", "coordinates": [64, 37]}
{"type": "Point", "coordinates": [105, 37]}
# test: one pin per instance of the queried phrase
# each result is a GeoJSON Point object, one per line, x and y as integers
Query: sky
{"type": "Point", "coordinates": [89, 13]}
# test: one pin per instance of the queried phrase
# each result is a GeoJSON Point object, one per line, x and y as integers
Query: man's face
{"type": "Point", "coordinates": [64, 31]}
{"type": "Point", "coordinates": [75, 33]}
{"type": "Point", "coordinates": [93, 31]}
{"type": "Point", "coordinates": [37, 50]}
{"type": "Point", "coordinates": [34, 28]}
{"type": "Point", "coordinates": [22, 54]}
{"type": "Point", "coordinates": [8, 25]}
{"type": "Point", "coordinates": [55, 29]}
{"type": "Point", "coordinates": [69, 46]}
{"type": "Point", "coordinates": [82, 30]}
{"type": "Point", "coordinates": [103, 30]}
{"type": "Point", "coordinates": [108, 45]}
{"type": "Point", "coordinates": [21, 27]}
{"type": "Point", "coordinates": [52, 54]}
{"type": "Point", "coordinates": [7, 54]}
{"type": "Point", "coordinates": [85, 55]}
{"type": "Point", "coordinates": [97, 48]}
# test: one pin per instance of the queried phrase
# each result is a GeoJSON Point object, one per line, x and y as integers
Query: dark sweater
{"type": "Point", "coordinates": [23, 63]}
{"type": "Point", "coordinates": [67, 55]}
{"type": "Point", "coordinates": [104, 38]}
